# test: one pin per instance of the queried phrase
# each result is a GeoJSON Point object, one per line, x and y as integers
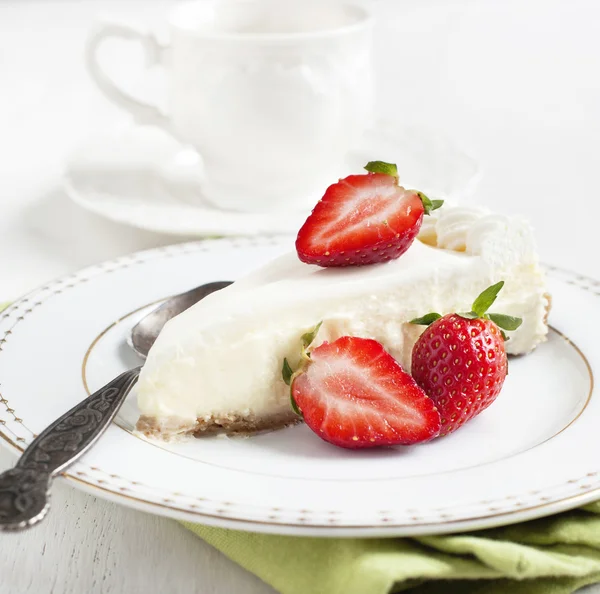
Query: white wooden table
{"type": "Point", "coordinates": [515, 83]}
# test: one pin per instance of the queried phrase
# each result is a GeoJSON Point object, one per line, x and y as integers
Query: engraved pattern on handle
{"type": "Point", "coordinates": [24, 489]}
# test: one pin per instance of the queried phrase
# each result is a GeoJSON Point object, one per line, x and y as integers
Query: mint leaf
{"type": "Point", "coordinates": [309, 336]}
{"type": "Point", "coordinates": [427, 319]}
{"type": "Point", "coordinates": [505, 322]}
{"type": "Point", "coordinates": [485, 300]}
{"type": "Point", "coordinates": [435, 204]}
{"type": "Point", "coordinates": [286, 372]}
{"type": "Point", "coordinates": [382, 167]}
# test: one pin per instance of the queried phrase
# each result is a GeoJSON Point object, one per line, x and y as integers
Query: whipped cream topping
{"type": "Point", "coordinates": [454, 225]}
{"type": "Point", "coordinates": [428, 231]}
{"type": "Point", "coordinates": [448, 227]}
{"type": "Point", "coordinates": [479, 232]}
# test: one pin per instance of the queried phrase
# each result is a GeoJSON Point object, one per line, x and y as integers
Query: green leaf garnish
{"type": "Point", "coordinates": [505, 322]}
{"type": "Point", "coordinates": [382, 167]}
{"type": "Point", "coordinates": [427, 319]}
{"type": "Point", "coordinates": [429, 205]}
{"type": "Point", "coordinates": [295, 406]}
{"type": "Point", "coordinates": [286, 372]}
{"type": "Point", "coordinates": [309, 336]}
{"type": "Point", "coordinates": [486, 299]}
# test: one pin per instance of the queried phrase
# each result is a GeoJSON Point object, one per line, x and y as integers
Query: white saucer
{"type": "Point", "coordinates": [141, 177]}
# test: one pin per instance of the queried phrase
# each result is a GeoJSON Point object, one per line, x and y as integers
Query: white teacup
{"type": "Point", "coordinates": [272, 94]}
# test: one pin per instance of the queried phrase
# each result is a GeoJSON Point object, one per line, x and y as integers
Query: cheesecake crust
{"type": "Point", "coordinates": [224, 424]}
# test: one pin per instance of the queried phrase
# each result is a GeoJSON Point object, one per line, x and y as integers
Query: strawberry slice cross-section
{"type": "Point", "coordinates": [363, 219]}
{"type": "Point", "coordinates": [354, 394]}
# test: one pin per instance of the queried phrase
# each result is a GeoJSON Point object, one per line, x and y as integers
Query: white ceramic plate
{"type": "Point", "coordinates": [534, 452]}
{"type": "Point", "coordinates": [141, 177]}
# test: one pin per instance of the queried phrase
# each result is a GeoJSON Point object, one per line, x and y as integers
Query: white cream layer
{"type": "Point", "coordinates": [224, 355]}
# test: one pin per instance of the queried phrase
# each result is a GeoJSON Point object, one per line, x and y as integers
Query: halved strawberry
{"type": "Point", "coordinates": [363, 219]}
{"type": "Point", "coordinates": [354, 394]}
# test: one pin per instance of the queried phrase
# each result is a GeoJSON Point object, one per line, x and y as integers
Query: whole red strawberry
{"type": "Point", "coordinates": [363, 219]}
{"type": "Point", "coordinates": [460, 360]}
{"type": "Point", "coordinates": [354, 394]}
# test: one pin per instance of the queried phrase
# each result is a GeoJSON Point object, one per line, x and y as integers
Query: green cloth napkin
{"type": "Point", "coordinates": [554, 555]}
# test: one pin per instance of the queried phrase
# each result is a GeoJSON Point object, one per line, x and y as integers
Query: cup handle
{"type": "Point", "coordinates": [143, 113]}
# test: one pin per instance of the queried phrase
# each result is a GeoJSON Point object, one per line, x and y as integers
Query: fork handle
{"type": "Point", "coordinates": [24, 489]}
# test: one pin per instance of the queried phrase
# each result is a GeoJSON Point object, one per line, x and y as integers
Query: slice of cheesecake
{"type": "Point", "coordinates": [217, 366]}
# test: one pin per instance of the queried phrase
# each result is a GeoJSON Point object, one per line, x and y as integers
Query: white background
{"type": "Point", "coordinates": [516, 83]}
